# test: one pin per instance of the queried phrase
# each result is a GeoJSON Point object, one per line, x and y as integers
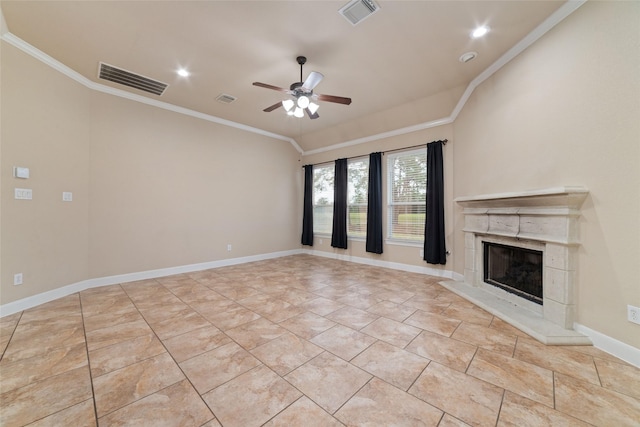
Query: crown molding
{"type": "Point", "coordinates": [554, 19]}
{"type": "Point", "coordinates": [74, 75]}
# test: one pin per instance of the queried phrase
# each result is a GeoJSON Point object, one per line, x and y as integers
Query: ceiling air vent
{"type": "Point", "coordinates": [127, 78]}
{"type": "Point", "coordinates": [225, 99]}
{"type": "Point", "coordinates": [357, 10]}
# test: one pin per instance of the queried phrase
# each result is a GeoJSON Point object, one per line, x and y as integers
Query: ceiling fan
{"type": "Point", "coordinates": [302, 95]}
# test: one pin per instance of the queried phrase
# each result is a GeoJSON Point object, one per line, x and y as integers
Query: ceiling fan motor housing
{"type": "Point", "coordinates": [297, 90]}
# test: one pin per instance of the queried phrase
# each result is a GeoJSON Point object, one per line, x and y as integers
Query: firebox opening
{"type": "Point", "coordinates": [516, 270]}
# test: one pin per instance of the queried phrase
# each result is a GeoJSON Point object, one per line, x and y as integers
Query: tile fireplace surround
{"type": "Point", "coordinates": [544, 220]}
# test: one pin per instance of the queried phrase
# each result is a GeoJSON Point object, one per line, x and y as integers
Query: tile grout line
{"type": "Point", "coordinates": [416, 379]}
{"type": "Point", "coordinates": [86, 347]}
{"type": "Point", "coordinates": [520, 340]}
{"type": "Point", "coordinates": [357, 391]}
{"type": "Point", "coordinates": [553, 383]}
{"type": "Point", "coordinates": [60, 373]}
{"type": "Point", "coordinates": [170, 355]}
{"type": "Point", "coordinates": [11, 337]}
{"type": "Point", "coordinates": [504, 392]}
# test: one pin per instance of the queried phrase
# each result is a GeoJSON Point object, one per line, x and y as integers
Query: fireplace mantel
{"type": "Point", "coordinates": [548, 215]}
{"type": "Point", "coordinates": [545, 220]}
{"type": "Point", "coordinates": [567, 199]}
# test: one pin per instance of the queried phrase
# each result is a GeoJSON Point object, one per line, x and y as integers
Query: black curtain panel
{"type": "Point", "coordinates": [339, 232]}
{"type": "Point", "coordinates": [307, 212]}
{"type": "Point", "coordinates": [435, 251]}
{"type": "Point", "coordinates": [374, 204]}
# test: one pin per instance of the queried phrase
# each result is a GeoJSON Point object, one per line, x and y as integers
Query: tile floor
{"type": "Point", "coordinates": [296, 341]}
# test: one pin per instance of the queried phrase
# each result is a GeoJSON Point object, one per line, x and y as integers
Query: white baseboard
{"type": "Point", "coordinates": [35, 300]}
{"type": "Point", "coordinates": [610, 345]}
{"type": "Point", "coordinates": [387, 264]}
{"type": "Point", "coordinates": [605, 343]}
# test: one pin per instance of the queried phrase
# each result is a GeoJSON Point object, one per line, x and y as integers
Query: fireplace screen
{"type": "Point", "coordinates": [515, 270]}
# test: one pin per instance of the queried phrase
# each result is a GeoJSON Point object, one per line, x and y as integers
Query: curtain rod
{"type": "Point", "coordinates": [444, 142]}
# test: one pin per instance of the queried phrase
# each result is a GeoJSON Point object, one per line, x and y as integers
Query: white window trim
{"type": "Point", "coordinates": [349, 161]}
{"type": "Point", "coordinates": [389, 239]}
{"type": "Point", "coordinates": [322, 234]}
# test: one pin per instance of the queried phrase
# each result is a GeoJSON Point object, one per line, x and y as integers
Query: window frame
{"type": "Point", "coordinates": [363, 234]}
{"type": "Point", "coordinates": [392, 234]}
{"type": "Point", "coordinates": [328, 206]}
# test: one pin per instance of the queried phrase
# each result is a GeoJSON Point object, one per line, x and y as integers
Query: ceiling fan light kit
{"type": "Point", "coordinates": [313, 107]}
{"type": "Point", "coordinates": [303, 101]}
{"type": "Point", "coordinates": [288, 104]}
{"type": "Point", "coordinates": [302, 95]}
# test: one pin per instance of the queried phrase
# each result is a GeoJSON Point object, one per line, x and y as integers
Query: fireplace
{"type": "Point", "coordinates": [520, 259]}
{"type": "Point", "coordinates": [513, 269]}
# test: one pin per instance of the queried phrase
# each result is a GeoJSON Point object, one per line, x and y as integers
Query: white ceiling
{"type": "Point", "coordinates": [393, 64]}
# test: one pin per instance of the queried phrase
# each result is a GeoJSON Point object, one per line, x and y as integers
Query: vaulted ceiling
{"type": "Point", "coordinates": [400, 66]}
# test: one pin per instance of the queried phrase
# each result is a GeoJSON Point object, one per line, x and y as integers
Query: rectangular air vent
{"type": "Point", "coordinates": [225, 99]}
{"type": "Point", "coordinates": [358, 10]}
{"type": "Point", "coordinates": [127, 78]}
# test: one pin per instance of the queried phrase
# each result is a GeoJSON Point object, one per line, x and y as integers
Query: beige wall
{"type": "Point", "coordinates": [169, 190]}
{"type": "Point", "coordinates": [567, 112]}
{"type": "Point", "coordinates": [155, 189]}
{"type": "Point", "coordinates": [45, 127]}
{"type": "Point", "coordinates": [151, 188]}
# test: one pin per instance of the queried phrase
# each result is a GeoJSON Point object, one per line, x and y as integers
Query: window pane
{"type": "Point", "coordinates": [409, 178]}
{"type": "Point", "coordinates": [407, 222]}
{"type": "Point", "coordinates": [323, 199]}
{"type": "Point", "coordinates": [407, 172]}
{"type": "Point", "coordinates": [357, 197]}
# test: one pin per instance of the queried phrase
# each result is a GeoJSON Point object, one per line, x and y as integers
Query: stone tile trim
{"type": "Point", "coordinates": [545, 220]}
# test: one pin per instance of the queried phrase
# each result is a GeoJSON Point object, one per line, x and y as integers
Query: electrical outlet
{"type": "Point", "coordinates": [319, 241]}
{"type": "Point", "coordinates": [633, 314]}
{"type": "Point", "coordinates": [17, 279]}
{"type": "Point", "coordinates": [229, 247]}
{"type": "Point", "coordinates": [421, 253]}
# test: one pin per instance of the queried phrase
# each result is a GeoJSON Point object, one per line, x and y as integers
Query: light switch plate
{"type": "Point", "coordinates": [23, 193]}
{"type": "Point", "coordinates": [67, 196]}
{"type": "Point", "coordinates": [20, 172]}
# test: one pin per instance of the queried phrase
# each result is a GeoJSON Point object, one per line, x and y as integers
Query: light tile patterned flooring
{"type": "Point", "coordinates": [296, 341]}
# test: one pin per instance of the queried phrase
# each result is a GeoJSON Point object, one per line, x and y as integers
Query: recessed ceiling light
{"type": "Point", "coordinates": [479, 32]}
{"type": "Point", "coordinates": [466, 57]}
{"type": "Point", "coordinates": [183, 73]}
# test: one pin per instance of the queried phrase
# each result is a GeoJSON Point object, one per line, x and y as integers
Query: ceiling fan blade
{"type": "Point", "coordinates": [273, 107]}
{"type": "Point", "coordinates": [266, 86]}
{"type": "Point", "coordinates": [336, 99]}
{"type": "Point", "coordinates": [312, 81]}
{"type": "Point", "coordinates": [312, 115]}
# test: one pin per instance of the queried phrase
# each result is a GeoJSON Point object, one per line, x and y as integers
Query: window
{"type": "Point", "coordinates": [407, 191]}
{"type": "Point", "coordinates": [357, 186]}
{"type": "Point", "coordinates": [323, 198]}
{"type": "Point", "coordinates": [358, 176]}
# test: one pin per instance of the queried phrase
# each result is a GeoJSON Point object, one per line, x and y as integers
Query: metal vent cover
{"type": "Point", "coordinates": [225, 98]}
{"type": "Point", "coordinates": [357, 10]}
{"type": "Point", "coordinates": [127, 78]}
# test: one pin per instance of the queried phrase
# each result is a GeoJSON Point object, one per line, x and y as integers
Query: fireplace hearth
{"type": "Point", "coordinates": [532, 240]}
